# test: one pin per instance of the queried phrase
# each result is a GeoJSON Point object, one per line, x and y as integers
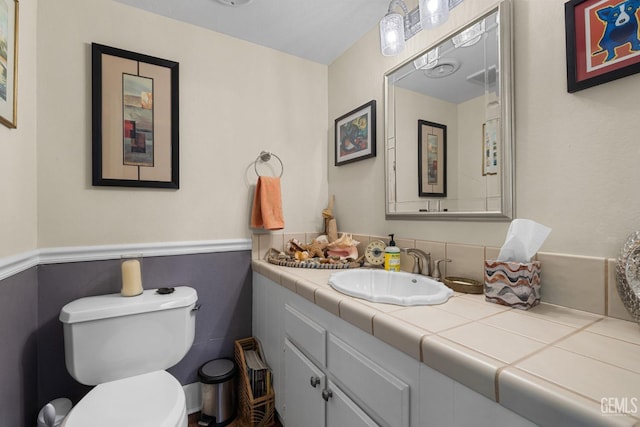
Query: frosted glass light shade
{"type": "Point", "coordinates": [392, 34]}
{"type": "Point", "coordinates": [470, 36]}
{"type": "Point", "coordinates": [433, 13]}
{"type": "Point", "coordinates": [428, 60]}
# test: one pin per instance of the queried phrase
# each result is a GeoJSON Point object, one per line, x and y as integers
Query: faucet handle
{"type": "Point", "coordinates": [436, 268]}
{"type": "Point", "coordinates": [417, 268]}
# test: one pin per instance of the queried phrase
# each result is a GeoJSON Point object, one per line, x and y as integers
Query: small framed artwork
{"type": "Point", "coordinates": [490, 142]}
{"type": "Point", "coordinates": [9, 63]}
{"type": "Point", "coordinates": [356, 134]}
{"type": "Point", "coordinates": [602, 41]}
{"type": "Point", "coordinates": [135, 119]}
{"type": "Point", "coordinates": [432, 159]}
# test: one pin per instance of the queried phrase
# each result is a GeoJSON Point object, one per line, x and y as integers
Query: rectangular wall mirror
{"type": "Point", "coordinates": [460, 165]}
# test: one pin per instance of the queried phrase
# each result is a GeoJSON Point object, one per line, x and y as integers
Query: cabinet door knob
{"type": "Point", "coordinates": [327, 394]}
{"type": "Point", "coordinates": [314, 381]}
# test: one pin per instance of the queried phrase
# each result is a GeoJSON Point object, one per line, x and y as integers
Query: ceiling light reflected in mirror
{"type": "Point", "coordinates": [470, 36]}
{"type": "Point", "coordinates": [428, 60]}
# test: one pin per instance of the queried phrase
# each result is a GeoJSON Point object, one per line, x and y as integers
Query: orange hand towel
{"type": "Point", "coordinates": [267, 204]}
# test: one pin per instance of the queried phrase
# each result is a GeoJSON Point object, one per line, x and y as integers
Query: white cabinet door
{"type": "Point", "coordinates": [342, 412]}
{"type": "Point", "coordinates": [303, 385]}
{"type": "Point", "coordinates": [380, 391]}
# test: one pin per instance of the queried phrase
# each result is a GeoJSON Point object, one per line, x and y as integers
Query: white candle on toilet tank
{"type": "Point", "coordinates": [131, 278]}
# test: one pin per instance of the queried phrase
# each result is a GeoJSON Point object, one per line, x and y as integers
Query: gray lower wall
{"type": "Point", "coordinates": [33, 371]}
{"type": "Point", "coordinates": [18, 349]}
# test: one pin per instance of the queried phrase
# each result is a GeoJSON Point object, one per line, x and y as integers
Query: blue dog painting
{"type": "Point", "coordinates": [621, 27]}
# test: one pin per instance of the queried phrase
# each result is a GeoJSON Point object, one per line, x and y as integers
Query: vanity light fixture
{"type": "Point", "coordinates": [433, 13]}
{"type": "Point", "coordinates": [396, 28]}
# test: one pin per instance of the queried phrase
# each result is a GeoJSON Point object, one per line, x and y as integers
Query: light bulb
{"type": "Point", "coordinates": [433, 13]}
{"type": "Point", "coordinates": [392, 34]}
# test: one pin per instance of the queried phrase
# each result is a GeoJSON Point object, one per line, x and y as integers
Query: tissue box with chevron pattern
{"type": "Point", "coordinates": [513, 284]}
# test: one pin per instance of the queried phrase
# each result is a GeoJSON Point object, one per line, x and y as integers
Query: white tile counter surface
{"type": "Point", "coordinates": [544, 364]}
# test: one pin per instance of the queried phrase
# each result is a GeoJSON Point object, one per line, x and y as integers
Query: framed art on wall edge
{"type": "Point", "coordinates": [9, 63]}
{"type": "Point", "coordinates": [135, 119]}
{"type": "Point", "coordinates": [355, 134]}
{"type": "Point", "coordinates": [602, 41]}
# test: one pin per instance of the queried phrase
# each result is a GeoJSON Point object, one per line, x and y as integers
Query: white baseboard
{"type": "Point", "coordinates": [193, 396]}
{"type": "Point", "coordinates": [21, 262]}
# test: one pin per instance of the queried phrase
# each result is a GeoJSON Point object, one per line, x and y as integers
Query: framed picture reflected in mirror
{"type": "Point", "coordinates": [432, 159]}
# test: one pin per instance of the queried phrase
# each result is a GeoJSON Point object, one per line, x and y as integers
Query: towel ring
{"type": "Point", "coordinates": [265, 156]}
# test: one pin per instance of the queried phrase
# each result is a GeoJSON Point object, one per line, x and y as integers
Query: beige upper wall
{"type": "Point", "coordinates": [236, 99]}
{"type": "Point", "coordinates": [18, 172]}
{"type": "Point", "coordinates": [576, 154]}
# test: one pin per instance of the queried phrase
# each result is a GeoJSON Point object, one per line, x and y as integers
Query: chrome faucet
{"type": "Point", "coordinates": [422, 261]}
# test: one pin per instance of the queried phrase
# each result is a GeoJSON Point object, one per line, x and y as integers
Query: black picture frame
{"type": "Point", "coordinates": [355, 134]}
{"type": "Point", "coordinates": [432, 159]}
{"type": "Point", "coordinates": [135, 127]}
{"type": "Point", "coordinates": [592, 57]}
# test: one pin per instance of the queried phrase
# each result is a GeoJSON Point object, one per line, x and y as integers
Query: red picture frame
{"type": "Point", "coordinates": [602, 41]}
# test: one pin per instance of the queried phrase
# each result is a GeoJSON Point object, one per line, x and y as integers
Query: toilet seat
{"type": "Point", "coordinates": [155, 399]}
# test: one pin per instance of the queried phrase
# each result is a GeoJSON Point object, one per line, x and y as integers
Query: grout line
{"type": "Point", "coordinates": [583, 329]}
{"type": "Point", "coordinates": [554, 342]}
{"type": "Point", "coordinates": [560, 386]}
{"type": "Point", "coordinates": [606, 287]}
{"type": "Point", "coordinates": [373, 332]}
{"type": "Point", "coordinates": [496, 382]}
{"type": "Point", "coordinates": [476, 351]}
{"type": "Point", "coordinates": [540, 350]}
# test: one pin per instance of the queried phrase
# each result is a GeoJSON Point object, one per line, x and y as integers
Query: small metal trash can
{"type": "Point", "coordinates": [217, 379]}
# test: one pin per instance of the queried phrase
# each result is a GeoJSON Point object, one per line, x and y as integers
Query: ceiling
{"type": "Point", "coordinates": [317, 30]}
{"type": "Point", "coordinates": [468, 80]}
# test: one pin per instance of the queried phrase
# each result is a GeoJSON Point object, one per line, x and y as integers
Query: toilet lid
{"type": "Point", "coordinates": [155, 399]}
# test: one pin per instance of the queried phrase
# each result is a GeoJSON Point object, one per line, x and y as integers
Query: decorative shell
{"type": "Point", "coordinates": [345, 241]}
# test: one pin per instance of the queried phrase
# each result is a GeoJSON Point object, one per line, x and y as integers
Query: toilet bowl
{"type": "Point", "coordinates": [155, 399]}
{"type": "Point", "coordinates": [122, 345]}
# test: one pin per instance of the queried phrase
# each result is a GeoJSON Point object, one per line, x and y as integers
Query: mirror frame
{"type": "Point", "coordinates": [507, 132]}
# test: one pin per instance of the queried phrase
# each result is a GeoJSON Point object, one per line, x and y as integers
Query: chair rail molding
{"type": "Point", "coordinates": [15, 264]}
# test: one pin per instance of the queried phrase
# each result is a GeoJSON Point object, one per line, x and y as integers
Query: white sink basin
{"type": "Point", "coordinates": [390, 287]}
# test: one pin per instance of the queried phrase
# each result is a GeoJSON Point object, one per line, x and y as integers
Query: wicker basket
{"type": "Point", "coordinates": [259, 412]}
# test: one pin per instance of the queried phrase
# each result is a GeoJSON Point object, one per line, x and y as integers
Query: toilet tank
{"type": "Point", "coordinates": [110, 337]}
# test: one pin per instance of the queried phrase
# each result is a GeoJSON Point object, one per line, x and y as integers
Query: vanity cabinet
{"type": "Point", "coordinates": [313, 400]}
{"type": "Point", "coordinates": [313, 356]}
{"type": "Point", "coordinates": [366, 382]}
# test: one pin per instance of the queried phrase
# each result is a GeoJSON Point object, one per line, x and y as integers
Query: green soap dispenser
{"type": "Point", "coordinates": [392, 256]}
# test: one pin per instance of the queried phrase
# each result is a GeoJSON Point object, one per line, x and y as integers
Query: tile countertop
{"type": "Point", "coordinates": [548, 364]}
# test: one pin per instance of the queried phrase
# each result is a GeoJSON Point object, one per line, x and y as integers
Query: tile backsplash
{"type": "Point", "coordinates": [579, 282]}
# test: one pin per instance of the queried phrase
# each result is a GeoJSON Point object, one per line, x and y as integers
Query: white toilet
{"type": "Point", "coordinates": [122, 345]}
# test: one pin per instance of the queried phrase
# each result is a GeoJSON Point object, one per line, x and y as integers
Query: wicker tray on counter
{"type": "Point", "coordinates": [273, 257]}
